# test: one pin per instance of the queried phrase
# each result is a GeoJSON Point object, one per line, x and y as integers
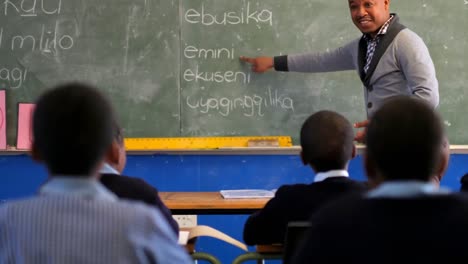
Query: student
{"type": "Point", "coordinates": [406, 219]}
{"type": "Point", "coordinates": [129, 187]}
{"type": "Point", "coordinates": [389, 58]}
{"type": "Point", "coordinates": [75, 219]}
{"type": "Point", "coordinates": [445, 152]}
{"type": "Point", "coordinates": [327, 147]}
{"type": "Point", "coordinates": [464, 183]}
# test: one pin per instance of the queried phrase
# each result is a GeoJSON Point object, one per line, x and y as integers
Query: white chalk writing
{"type": "Point", "coordinates": [47, 41]}
{"type": "Point", "coordinates": [15, 77]}
{"type": "Point", "coordinates": [192, 52]}
{"type": "Point", "coordinates": [243, 16]}
{"type": "Point", "coordinates": [32, 7]}
{"type": "Point", "coordinates": [218, 76]}
{"type": "Point", "coordinates": [250, 105]}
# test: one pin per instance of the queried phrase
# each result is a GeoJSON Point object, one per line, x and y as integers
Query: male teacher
{"type": "Point", "coordinates": [389, 58]}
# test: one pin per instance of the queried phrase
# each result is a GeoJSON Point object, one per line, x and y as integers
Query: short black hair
{"type": "Point", "coordinates": [327, 141]}
{"type": "Point", "coordinates": [72, 128]}
{"type": "Point", "coordinates": [404, 139]}
{"type": "Point", "coordinates": [117, 133]}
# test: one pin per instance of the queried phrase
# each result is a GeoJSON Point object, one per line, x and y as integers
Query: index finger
{"type": "Point", "coordinates": [247, 59]}
{"type": "Point", "coordinates": [361, 124]}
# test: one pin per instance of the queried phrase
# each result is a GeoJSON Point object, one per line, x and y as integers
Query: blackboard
{"type": "Point", "coordinates": [171, 66]}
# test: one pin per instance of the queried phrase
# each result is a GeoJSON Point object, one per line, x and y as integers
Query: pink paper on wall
{"type": "Point", "coordinates": [3, 144]}
{"type": "Point", "coordinates": [25, 112]}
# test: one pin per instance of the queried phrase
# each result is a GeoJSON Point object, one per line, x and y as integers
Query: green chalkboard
{"type": "Point", "coordinates": [172, 68]}
{"type": "Point", "coordinates": [128, 48]}
{"type": "Point", "coordinates": [227, 99]}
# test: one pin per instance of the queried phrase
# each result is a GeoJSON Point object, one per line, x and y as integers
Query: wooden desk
{"type": "Point", "coordinates": [209, 203]}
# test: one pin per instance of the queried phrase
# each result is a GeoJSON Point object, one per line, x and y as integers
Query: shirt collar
{"type": "Point", "coordinates": [383, 30]}
{"type": "Point", "coordinates": [321, 176]}
{"type": "Point", "coordinates": [76, 186]}
{"type": "Point", "coordinates": [406, 189]}
{"type": "Point", "coordinates": [106, 168]}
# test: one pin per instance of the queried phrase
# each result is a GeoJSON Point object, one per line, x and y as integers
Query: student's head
{"type": "Point", "coordinates": [327, 141]}
{"type": "Point", "coordinates": [116, 156]}
{"type": "Point", "coordinates": [404, 139]}
{"type": "Point", "coordinates": [72, 129]}
{"type": "Point", "coordinates": [444, 161]}
{"type": "Point", "coordinates": [369, 15]}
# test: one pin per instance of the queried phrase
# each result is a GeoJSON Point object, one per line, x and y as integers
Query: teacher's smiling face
{"type": "Point", "coordinates": [369, 15]}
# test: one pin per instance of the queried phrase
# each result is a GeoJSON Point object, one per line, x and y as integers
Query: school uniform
{"type": "Point", "coordinates": [399, 222]}
{"type": "Point", "coordinates": [77, 220]}
{"type": "Point", "coordinates": [296, 203]}
{"type": "Point", "coordinates": [135, 189]}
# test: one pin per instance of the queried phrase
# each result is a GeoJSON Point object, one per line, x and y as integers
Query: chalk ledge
{"type": "Point", "coordinates": [294, 150]}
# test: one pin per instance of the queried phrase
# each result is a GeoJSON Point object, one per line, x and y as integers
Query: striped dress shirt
{"type": "Point", "coordinates": [76, 220]}
{"type": "Point", "coordinates": [373, 42]}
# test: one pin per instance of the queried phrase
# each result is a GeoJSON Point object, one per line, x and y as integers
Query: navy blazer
{"type": "Point", "coordinates": [137, 189]}
{"type": "Point", "coordinates": [295, 203]}
{"type": "Point", "coordinates": [423, 229]}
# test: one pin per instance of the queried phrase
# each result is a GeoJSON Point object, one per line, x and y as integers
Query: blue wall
{"type": "Point", "coordinates": [20, 177]}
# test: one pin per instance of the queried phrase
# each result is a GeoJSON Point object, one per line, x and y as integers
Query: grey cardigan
{"type": "Point", "coordinates": [406, 68]}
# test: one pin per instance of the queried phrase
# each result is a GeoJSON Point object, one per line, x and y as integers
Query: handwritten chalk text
{"type": "Point", "coordinates": [243, 16]}
{"type": "Point", "coordinates": [250, 105]}
{"type": "Point", "coordinates": [218, 76]}
{"type": "Point", "coordinates": [14, 77]}
{"type": "Point", "coordinates": [192, 52]}
{"type": "Point", "coordinates": [32, 7]}
{"type": "Point", "coordinates": [47, 41]}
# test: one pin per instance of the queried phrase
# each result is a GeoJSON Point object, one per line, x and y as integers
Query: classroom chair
{"type": "Point", "coordinates": [262, 253]}
{"type": "Point", "coordinates": [190, 247]}
{"type": "Point", "coordinates": [294, 234]}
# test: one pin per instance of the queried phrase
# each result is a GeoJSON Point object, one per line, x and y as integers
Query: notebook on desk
{"type": "Point", "coordinates": [247, 194]}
